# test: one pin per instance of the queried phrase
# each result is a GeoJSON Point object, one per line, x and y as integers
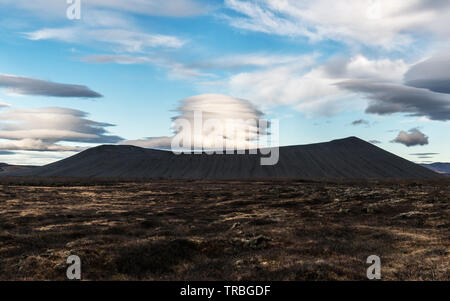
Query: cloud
{"type": "Point", "coordinates": [151, 142]}
{"type": "Point", "coordinates": [133, 41]}
{"type": "Point", "coordinates": [424, 154]}
{"type": "Point", "coordinates": [118, 59]}
{"type": "Point", "coordinates": [272, 80]}
{"type": "Point", "coordinates": [375, 141]}
{"type": "Point", "coordinates": [259, 16]}
{"type": "Point", "coordinates": [64, 34]}
{"type": "Point", "coordinates": [30, 86]}
{"type": "Point", "coordinates": [36, 145]}
{"type": "Point", "coordinates": [179, 69]}
{"type": "Point", "coordinates": [388, 98]}
{"type": "Point", "coordinates": [219, 111]}
{"type": "Point", "coordinates": [172, 8]}
{"type": "Point", "coordinates": [423, 93]}
{"type": "Point", "coordinates": [360, 67]}
{"type": "Point", "coordinates": [41, 129]}
{"type": "Point", "coordinates": [176, 70]}
{"type": "Point", "coordinates": [3, 104]}
{"type": "Point", "coordinates": [391, 24]}
{"type": "Point", "coordinates": [105, 29]}
{"type": "Point", "coordinates": [431, 74]}
{"type": "Point", "coordinates": [305, 83]}
{"type": "Point", "coordinates": [299, 85]}
{"type": "Point", "coordinates": [123, 39]}
{"type": "Point", "coordinates": [360, 122]}
{"type": "Point", "coordinates": [413, 137]}
{"type": "Point", "coordinates": [239, 61]}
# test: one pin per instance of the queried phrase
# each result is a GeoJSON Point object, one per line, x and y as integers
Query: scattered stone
{"type": "Point", "coordinates": [371, 208]}
{"type": "Point", "coordinates": [235, 225]}
{"type": "Point", "coordinates": [60, 266]}
{"type": "Point", "coordinates": [254, 242]}
{"type": "Point", "coordinates": [410, 214]}
{"type": "Point", "coordinates": [79, 243]}
{"type": "Point", "coordinates": [344, 210]}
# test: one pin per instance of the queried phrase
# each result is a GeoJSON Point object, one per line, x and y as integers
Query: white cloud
{"type": "Point", "coordinates": [413, 137]}
{"type": "Point", "coordinates": [197, 68]}
{"type": "Point", "coordinates": [40, 129]}
{"type": "Point", "coordinates": [307, 85]}
{"type": "Point", "coordinates": [387, 23]}
{"type": "Point", "coordinates": [106, 29]}
{"type": "Point", "coordinates": [35, 145]}
{"type": "Point", "coordinates": [134, 41]}
{"type": "Point", "coordinates": [152, 142]}
{"type": "Point", "coordinates": [68, 34]}
{"type": "Point", "coordinates": [4, 104]}
{"type": "Point", "coordinates": [225, 122]}
{"type": "Point", "coordinates": [261, 18]}
{"type": "Point", "coordinates": [176, 70]}
{"type": "Point", "coordinates": [274, 79]}
{"type": "Point", "coordinates": [361, 67]}
{"type": "Point", "coordinates": [46, 134]}
{"type": "Point", "coordinates": [285, 85]}
{"type": "Point", "coordinates": [57, 9]}
{"type": "Point", "coordinates": [247, 60]}
{"type": "Point", "coordinates": [29, 157]}
{"type": "Point", "coordinates": [173, 8]}
{"type": "Point", "coordinates": [118, 59]}
{"type": "Point", "coordinates": [120, 39]}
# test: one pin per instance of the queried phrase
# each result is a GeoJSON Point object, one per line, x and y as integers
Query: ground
{"type": "Point", "coordinates": [224, 230]}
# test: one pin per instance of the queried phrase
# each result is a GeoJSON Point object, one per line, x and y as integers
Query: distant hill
{"type": "Point", "coordinates": [4, 167]}
{"type": "Point", "coordinates": [442, 168]}
{"type": "Point", "coordinates": [349, 158]}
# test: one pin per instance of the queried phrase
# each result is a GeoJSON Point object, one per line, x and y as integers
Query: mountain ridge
{"type": "Point", "coordinates": [348, 158]}
{"type": "Point", "coordinates": [5, 167]}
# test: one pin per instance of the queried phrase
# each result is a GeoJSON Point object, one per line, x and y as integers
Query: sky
{"type": "Point", "coordinates": [123, 71]}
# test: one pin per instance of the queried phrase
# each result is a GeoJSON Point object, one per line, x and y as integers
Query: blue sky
{"type": "Point", "coordinates": [326, 69]}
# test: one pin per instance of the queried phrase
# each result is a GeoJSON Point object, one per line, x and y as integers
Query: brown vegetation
{"type": "Point", "coordinates": [224, 230]}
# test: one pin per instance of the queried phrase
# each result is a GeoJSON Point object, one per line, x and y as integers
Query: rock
{"type": "Point", "coordinates": [235, 225]}
{"type": "Point", "coordinates": [344, 210]}
{"type": "Point", "coordinates": [410, 214]}
{"type": "Point", "coordinates": [254, 242]}
{"type": "Point", "coordinates": [79, 243]}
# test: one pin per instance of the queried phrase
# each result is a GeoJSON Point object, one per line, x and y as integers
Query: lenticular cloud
{"type": "Point", "coordinates": [218, 121]}
{"type": "Point", "coordinates": [213, 121]}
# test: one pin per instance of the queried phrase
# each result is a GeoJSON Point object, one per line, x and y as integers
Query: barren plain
{"type": "Point", "coordinates": [224, 230]}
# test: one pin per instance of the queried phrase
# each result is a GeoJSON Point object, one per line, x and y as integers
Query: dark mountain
{"type": "Point", "coordinates": [442, 168]}
{"type": "Point", "coordinates": [349, 158]}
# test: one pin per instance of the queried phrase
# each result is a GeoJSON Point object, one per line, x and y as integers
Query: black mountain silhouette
{"type": "Point", "coordinates": [350, 158]}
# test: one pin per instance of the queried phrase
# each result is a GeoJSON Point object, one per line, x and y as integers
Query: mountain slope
{"type": "Point", "coordinates": [349, 158]}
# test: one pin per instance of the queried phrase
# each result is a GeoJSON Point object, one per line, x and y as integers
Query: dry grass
{"type": "Point", "coordinates": [224, 230]}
